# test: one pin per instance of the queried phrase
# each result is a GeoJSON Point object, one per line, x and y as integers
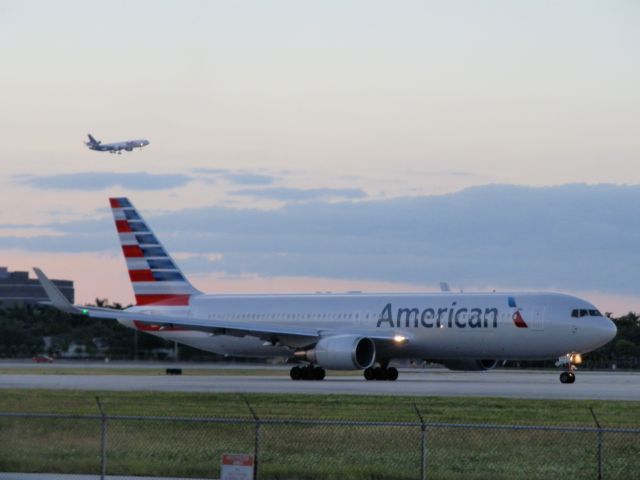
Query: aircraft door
{"type": "Point", "coordinates": [537, 318]}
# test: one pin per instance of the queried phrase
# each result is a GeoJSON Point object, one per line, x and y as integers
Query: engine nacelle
{"type": "Point", "coordinates": [342, 352]}
{"type": "Point", "coordinates": [470, 365]}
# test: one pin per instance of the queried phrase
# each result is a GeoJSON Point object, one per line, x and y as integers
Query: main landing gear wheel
{"type": "Point", "coordinates": [567, 377]}
{"type": "Point", "coordinates": [307, 373]}
{"type": "Point", "coordinates": [295, 373]}
{"type": "Point", "coordinates": [380, 373]}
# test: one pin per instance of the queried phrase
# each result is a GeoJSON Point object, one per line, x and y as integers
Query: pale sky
{"type": "Point", "coordinates": [324, 101]}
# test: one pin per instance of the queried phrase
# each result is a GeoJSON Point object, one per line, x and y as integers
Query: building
{"type": "Point", "coordinates": [17, 288]}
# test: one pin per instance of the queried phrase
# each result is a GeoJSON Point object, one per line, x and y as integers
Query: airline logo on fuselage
{"type": "Point", "coordinates": [451, 317]}
{"type": "Point", "coordinates": [517, 316]}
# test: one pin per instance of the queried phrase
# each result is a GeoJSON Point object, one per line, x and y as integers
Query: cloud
{"type": "Point", "coordinates": [249, 179]}
{"type": "Point", "coordinates": [210, 171]}
{"type": "Point", "coordinates": [298, 194]}
{"type": "Point", "coordinates": [570, 237]}
{"type": "Point", "coordinates": [17, 226]}
{"type": "Point", "coordinates": [90, 181]}
{"type": "Point", "coordinates": [460, 174]}
{"type": "Point", "coordinates": [236, 177]}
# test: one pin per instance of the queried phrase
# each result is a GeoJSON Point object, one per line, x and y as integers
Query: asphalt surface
{"type": "Point", "coordinates": [437, 382]}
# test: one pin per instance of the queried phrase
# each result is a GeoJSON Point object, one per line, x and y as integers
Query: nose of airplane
{"type": "Point", "coordinates": [599, 330]}
{"type": "Point", "coordinates": [596, 332]}
{"type": "Point", "coordinates": [608, 329]}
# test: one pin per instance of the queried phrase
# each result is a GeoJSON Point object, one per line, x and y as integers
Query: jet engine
{"type": "Point", "coordinates": [470, 365]}
{"type": "Point", "coordinates": [341, 352]}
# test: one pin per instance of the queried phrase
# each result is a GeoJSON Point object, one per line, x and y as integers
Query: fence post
{"type": "Point", "coordinates": [423, 445]}
{"type": "Point", "coordinates": [103, 440]}
{"type": "Point", "coordinates": [256, 446]}
{"type": "Point", "coordinates": [599, 443]}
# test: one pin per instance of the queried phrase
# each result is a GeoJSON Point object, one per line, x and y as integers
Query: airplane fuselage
{"type": "Point", "coordinates": [505, 326]}
{"type": "Point", "coordinates": [116, 147]}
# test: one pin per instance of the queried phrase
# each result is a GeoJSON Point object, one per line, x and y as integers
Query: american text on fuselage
{"type": "Point", "coordinates": [439, 317]}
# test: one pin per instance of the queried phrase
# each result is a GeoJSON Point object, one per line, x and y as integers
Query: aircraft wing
{"type": "Point", "coordinates": [261, 330]}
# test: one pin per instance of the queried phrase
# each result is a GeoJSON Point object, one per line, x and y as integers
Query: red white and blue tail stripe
{"type": "Point", "coordinates": [156, 279]}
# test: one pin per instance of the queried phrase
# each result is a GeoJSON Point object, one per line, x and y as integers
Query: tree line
{"type": "Point", "coordinates": [27, 331]}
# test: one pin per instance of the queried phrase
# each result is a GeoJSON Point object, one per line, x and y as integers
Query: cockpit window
{"type": "Point", "coordinates": [577, 313]}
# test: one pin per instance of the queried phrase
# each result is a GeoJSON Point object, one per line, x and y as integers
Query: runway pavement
{"type": "Point", "coordinates": [495, 383]}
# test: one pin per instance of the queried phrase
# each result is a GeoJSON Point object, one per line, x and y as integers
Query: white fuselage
{"type": "Point", "coordinates": [503, 326]}
{"type": "Point", "coordinates": [128, 145]}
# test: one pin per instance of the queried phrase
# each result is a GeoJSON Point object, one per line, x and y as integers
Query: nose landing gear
{"type": "Point", "coordinates": [569, 362]}
{"type": "Point", "coordinates": [567, 377]}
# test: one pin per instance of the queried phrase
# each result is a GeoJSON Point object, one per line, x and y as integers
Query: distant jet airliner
{"type": "Point", "coordinates": [116, 147]}
{"type": "Point", "coordinates": [462, 331]}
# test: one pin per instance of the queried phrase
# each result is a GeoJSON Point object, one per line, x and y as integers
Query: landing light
{"type": "Point", "coordinates": [576, 359]}
{"type": "Point", "coordinates": [400, 339]}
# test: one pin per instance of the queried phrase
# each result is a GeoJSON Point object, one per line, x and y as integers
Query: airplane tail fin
{"type": "Point", "coordinates": [92, 140]}
{"type": "Point", "coordinates": [155, 277]}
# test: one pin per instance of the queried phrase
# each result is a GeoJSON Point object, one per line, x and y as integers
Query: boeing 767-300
{"type": "Point", "coordinates": [463, 331]}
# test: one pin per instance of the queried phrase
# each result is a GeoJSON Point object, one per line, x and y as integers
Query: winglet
{"type": "Point", "coordinates": [58, 300]}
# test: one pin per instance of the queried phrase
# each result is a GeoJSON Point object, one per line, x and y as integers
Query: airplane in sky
{"type": "Point", "coordinates": [354, 331]}
{"type": "Point", "coordinates": [116, 147]}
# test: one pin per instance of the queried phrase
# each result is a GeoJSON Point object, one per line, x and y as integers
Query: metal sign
{"type": "Point", "coordinates": [236, 467]}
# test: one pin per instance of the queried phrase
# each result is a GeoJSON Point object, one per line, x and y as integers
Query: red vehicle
{"type": "Point", "coordinates": [43, 359]}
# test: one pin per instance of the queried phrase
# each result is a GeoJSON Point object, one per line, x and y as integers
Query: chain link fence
{"type": "Point", "coordinates": [185, 447]}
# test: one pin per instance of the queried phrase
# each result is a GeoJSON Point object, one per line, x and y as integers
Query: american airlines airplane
{"type": "Point", "coordinates": [463, 331]}
{"type": "Point", "coordinates": [116, 147]}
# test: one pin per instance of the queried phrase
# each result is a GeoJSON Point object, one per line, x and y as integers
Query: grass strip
{"type": "Point", "coordinates": [174, 448]}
